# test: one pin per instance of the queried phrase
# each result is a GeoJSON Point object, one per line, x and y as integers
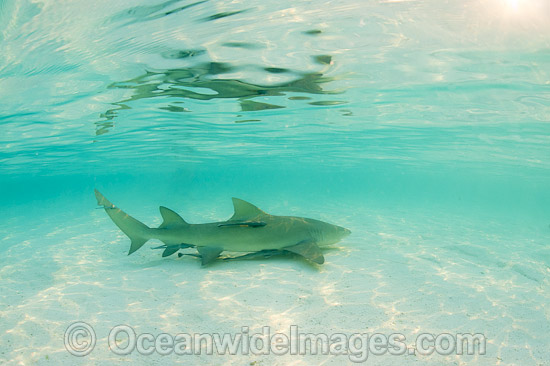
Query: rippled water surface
{"type": "Point", "coordinates": [422, 126]}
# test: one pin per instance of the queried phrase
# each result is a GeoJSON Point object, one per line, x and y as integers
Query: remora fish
{"type": "Point", "coordinates": [248, 230]}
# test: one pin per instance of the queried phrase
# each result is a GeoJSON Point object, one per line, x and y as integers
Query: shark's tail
{"type": "Point", "coordinates": [138, 232]}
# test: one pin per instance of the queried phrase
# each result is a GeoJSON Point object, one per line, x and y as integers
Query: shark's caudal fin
{"type": "Point", "coordinates": [138, 232]}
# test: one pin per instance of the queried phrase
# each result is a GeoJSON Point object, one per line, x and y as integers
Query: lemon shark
{"type": "Point", "coordinates": [249, 230]}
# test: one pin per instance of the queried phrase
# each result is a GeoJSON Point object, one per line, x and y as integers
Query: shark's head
{"type": "Point", "coordinates": [326, 234]}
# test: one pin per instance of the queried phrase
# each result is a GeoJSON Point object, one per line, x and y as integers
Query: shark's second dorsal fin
{"type": "Point", "coordinates": [171, 219]}
{"type": "Point", "coordinates": [244, 210]}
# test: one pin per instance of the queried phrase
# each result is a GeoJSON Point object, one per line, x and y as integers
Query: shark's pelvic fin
{"type": "Point", "coordinates": [209, 254]}
{"type": "Point", "coordinates": [244, 211]}
{"type": "Point", "coordinates": [138, 232]}
{"type": "Point", "coordinates": [171, 219]}
{"type": "Point", "coordinates": [308, 249]}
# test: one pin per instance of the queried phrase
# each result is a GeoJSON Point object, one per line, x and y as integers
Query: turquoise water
{"type": "Point", "coordinates": [421, 126]}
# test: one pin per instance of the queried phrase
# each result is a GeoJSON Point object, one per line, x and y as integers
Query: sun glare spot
{"type": "Point", "coordinates": [537, 11]}
{"type": "Point", "coordinates": [513, 4]}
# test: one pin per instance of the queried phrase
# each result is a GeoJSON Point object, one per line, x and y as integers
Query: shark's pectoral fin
{"type": "Point", "coordinates": [209, 254]}
{"type": "Point", "coordinates": [309, 250]}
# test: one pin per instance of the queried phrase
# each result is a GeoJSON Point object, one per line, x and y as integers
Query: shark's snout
{"type": "Point", "coordinates": [341, 232]}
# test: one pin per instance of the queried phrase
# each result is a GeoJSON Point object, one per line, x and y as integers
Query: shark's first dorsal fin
{"type": "Point", "coordinates": [171, 219]}
{"type": "Point", "coordinates": [244, 210]}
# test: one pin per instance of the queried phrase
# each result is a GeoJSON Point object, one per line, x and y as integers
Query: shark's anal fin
{"type": "Point", "coordinates": [208, 254]}
{"type": "Point", "coordinates": [244, 224]}
{"type": "Point", "coordinates": [309, 250]}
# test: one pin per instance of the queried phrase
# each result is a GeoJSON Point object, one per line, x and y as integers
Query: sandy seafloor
{"type": "Point", "coordinates": [409, 269]}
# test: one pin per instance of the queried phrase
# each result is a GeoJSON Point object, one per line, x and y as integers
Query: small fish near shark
{"type": "Point", "coordinates": [249, 230]}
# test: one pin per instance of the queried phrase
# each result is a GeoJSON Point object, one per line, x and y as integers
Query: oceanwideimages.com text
{"type": "Point", "coordinates": [80, 340]}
